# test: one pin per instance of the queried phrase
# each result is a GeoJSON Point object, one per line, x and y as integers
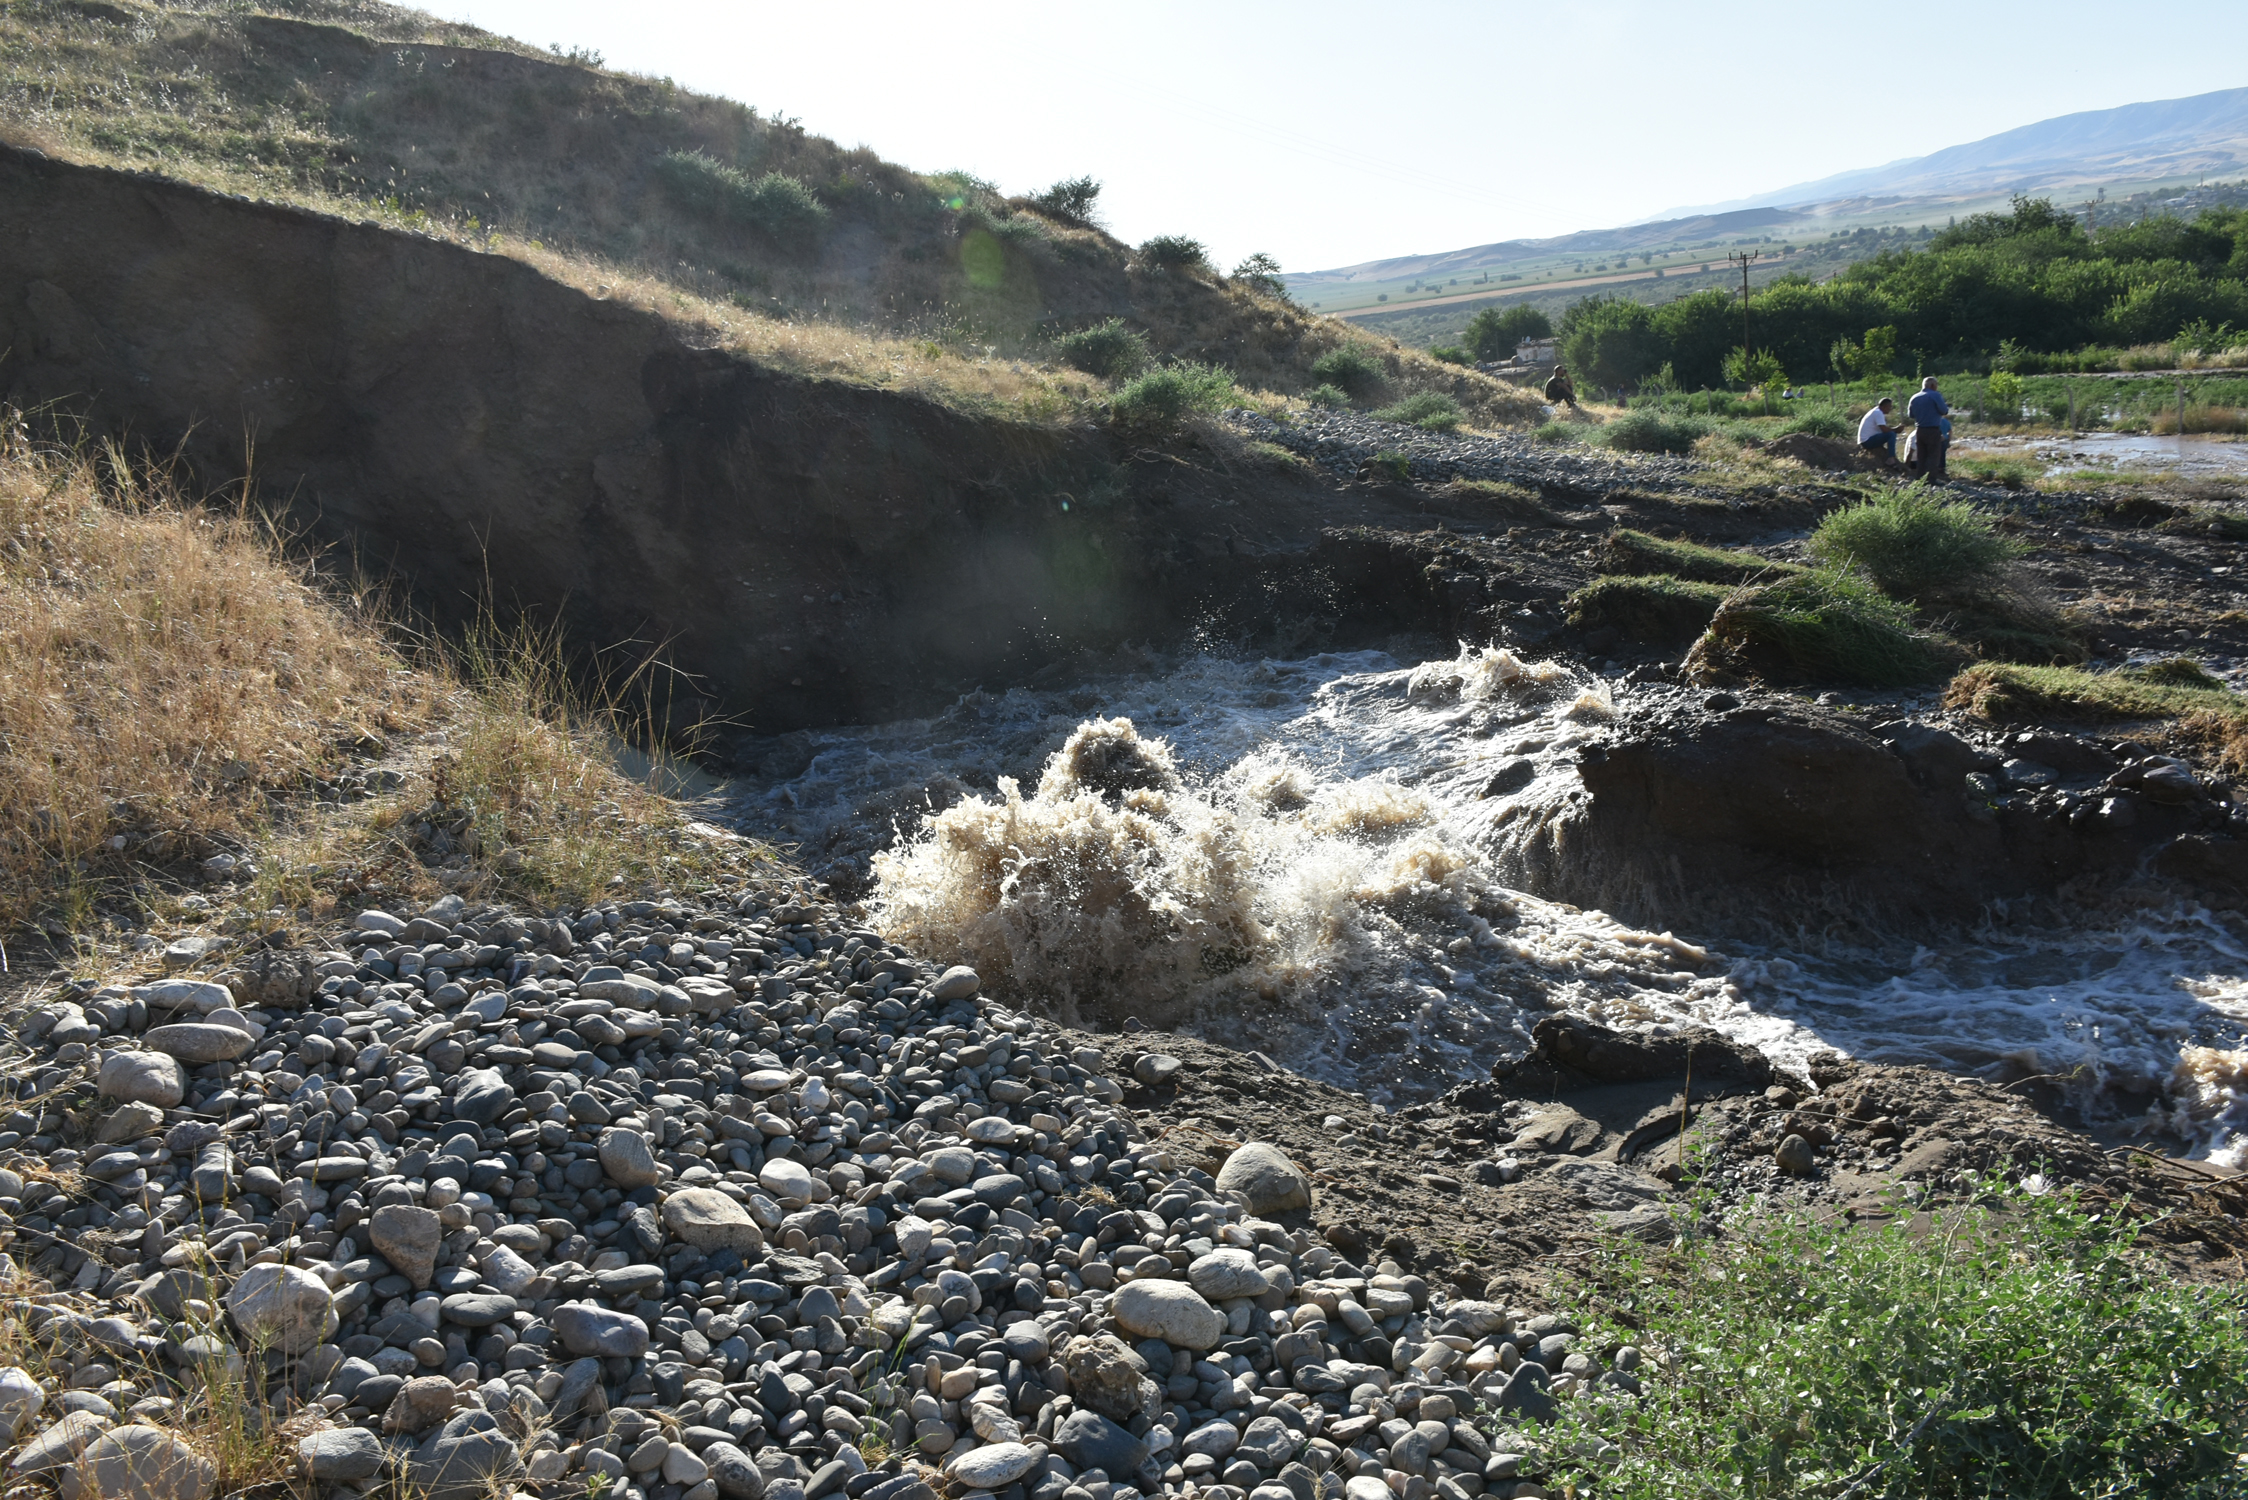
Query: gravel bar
{"type": "Point", "coordinates": [1343, 441]}
{"type": "Point", "coordinates": [696, 1200]}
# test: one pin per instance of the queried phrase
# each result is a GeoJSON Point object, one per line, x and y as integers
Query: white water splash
{"type": "Point", "coordinates": [1318, 879]}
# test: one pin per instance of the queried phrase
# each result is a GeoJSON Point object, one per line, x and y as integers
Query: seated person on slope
{"type": "Point", "coordinates": [1877, 432]}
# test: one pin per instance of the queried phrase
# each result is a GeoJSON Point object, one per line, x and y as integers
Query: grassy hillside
{"type": "Point", "coordinates": [633, 187]}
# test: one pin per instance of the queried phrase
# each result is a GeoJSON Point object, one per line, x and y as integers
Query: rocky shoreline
{"type": "Point", "coordinates": [688, 1199]}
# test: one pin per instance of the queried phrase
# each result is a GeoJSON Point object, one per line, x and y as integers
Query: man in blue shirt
{"type": "Point", "coordinates": [1928, 411]}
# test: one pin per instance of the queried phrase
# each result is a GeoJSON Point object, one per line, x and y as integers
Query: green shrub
{"type": "Point", "coordinates": [1430, 409]}
{"type": "Point", "coordinates": [1912, 545]}
{"type": "Point", "coordinates": [1761, 369]}
{"type": "Point", "coordinates": [1156, 403]}
{"type": "Point", "coordinates": [700, 182]}
{"type": "Point", "coordinates": [1451, 354]}
{"type": "Point", "coordinates": [1392, 465]}
{"type": "Point", "coordinates": [1557, 432]}
{"type": "Point", "coordinates": [1826, 626]}
{"type": "Point", "coordinates": [1174, 252]}
{"type": "Point", "coordinates": [1658, 610]}
{"type": "Point", "coordinates": [2020, 1346]}
{"type": "Point", "coordinates": [1354, 369]}
{"type": "Point", "coordinates": [1646, 430]}
{"type": "Point", "coordinates": [2002, 397]}
{"type": "Point", "coordinates": [1327, 395]}
{"type": "Point", "coordinates": [1495, 332]}
{"type": "Point", "coordinates": [1110, 350]}
{"type": "Point", "coordinates": [1822, 422]}
{"type": "Point", "coordinates": [774, 205]}
{"type": "Point", "coordinates": [1070, 200]}
{"type": "Point", "coordinates": [1638, 554]}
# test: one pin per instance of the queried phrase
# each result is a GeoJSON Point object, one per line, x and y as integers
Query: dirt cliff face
{"type": "Point", "coordinates": [813, 553]}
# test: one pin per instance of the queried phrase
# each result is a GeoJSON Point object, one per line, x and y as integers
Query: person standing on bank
{"type": "Point", "coordinates": [1877, 431]}
{"type": "Point", "coordinates": [1929, 412]}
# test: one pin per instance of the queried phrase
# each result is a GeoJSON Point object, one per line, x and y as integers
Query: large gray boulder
{"type": "Point", "coordinates": [1262, 1177]}
{"type": "Point", "coordinates": [198, 1042]}
{"type": "Point", "coordinates": [407, 1236]}
{"type": "Point", "coordinates": [282, 1307]}
{"type": "Point", "coordinates": [143, 1078]}
{"type": "Point", "coordinates": [1168, 1310]}
{"type": "Point", "coordinates": [138, 1463]}
{"type": "Point", "coordinates": [709, 1220]}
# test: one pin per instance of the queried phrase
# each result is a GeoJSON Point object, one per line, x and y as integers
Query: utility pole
{"type": "Point", "coordinates": [1746, 258]}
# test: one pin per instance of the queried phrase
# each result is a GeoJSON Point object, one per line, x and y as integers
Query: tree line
{"type": "Point", "coordinates": [2029, 278]}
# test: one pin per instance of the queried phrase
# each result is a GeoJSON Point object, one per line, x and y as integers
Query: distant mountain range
{"type": "Point", "coordinates": [1628, 240]}
{"type": "Point", "coordinates": [2206, 135]}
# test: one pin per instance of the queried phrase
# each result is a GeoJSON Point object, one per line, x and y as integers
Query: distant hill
{"type": "Point", "coordinates": [1628, 240]}
{"type": "Point", "coordinates": [2206, 135]}
{"type": "Point", "coordinates": [630, 186]}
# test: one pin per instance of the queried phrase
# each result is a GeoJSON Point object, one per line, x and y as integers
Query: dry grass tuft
{"type": "Point", "coordinates": [161, 670]}
{"type": "Point", "coordinates": [174, 684]}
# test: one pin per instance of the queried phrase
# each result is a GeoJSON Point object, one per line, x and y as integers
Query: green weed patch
{"type": "Point", "coordinates": [1827, 626]}
{"type": "Point", "coordinates": [1912, 544]}
{"type": "Point", "coordinates": [1637, 553]}
{"type": "Point", "coordinates": [2021, 1346]}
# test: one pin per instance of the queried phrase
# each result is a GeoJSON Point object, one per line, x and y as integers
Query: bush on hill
{"type": "Point", "coordinates": [1174, 252]}
{"type": "Point", "coordinates": [1070, 200]}
{"type": "Point", "coordinates": [1158, 402]}
{"type": "Point", "coordinates": [775, 205]}
{"type": "Point", "coordinates": [1109, 350]}
{"type": "Point", "coordinates": [1432, 410]}
{"type": "Point", "coordinates": [1353, 369]}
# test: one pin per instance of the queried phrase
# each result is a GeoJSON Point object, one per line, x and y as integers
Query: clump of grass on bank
{"type": "Point", "coordinates": [1911, 544]}
{"type": "Point", "coordinates": [1637, 553]}
{"type": "Point", "coordinates": [1432, 410]}
{"type": "Point", "coordinates": [1658, 610]}
{"type": "Point", "coordinates": [2007, 473]}
{"type": "Point", "coordinates": [2020, 1346]}
{"type": "Point", "coordinates": [2198, 704]}
{"type": "Point", "coordinates": [1824, 626]}
{"type": "Point", "coordinates": [1641, 430]}
{"type": "Point", "coordinates": [1516, 503]}
{"type": "Point", "coordinates": [173, 685]}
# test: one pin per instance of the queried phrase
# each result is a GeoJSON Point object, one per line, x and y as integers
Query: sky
{"type": "Point", "coordinates": [1327, 134]}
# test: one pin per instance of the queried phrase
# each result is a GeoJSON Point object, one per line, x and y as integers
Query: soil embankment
{"type": "Point", "coordinates": [811, 552]}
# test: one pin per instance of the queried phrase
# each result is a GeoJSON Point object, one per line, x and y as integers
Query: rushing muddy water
{"type": "Point", "coordinates": [1310, 858]}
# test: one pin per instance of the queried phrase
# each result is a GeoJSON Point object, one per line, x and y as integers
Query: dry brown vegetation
{"type": "Point", "coordinates": [934, 284]}
{"type": "Point", "coordinates": [173, 685]}
{"type": "Point", "coordinates": [159, 673]}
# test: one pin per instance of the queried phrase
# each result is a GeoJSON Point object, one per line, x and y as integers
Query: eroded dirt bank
{"type": "Point", "coordinates": [811, 552]}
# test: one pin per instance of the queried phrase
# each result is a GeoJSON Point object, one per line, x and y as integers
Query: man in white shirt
{"type": "Point", "coordinates": [1878, 434]}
